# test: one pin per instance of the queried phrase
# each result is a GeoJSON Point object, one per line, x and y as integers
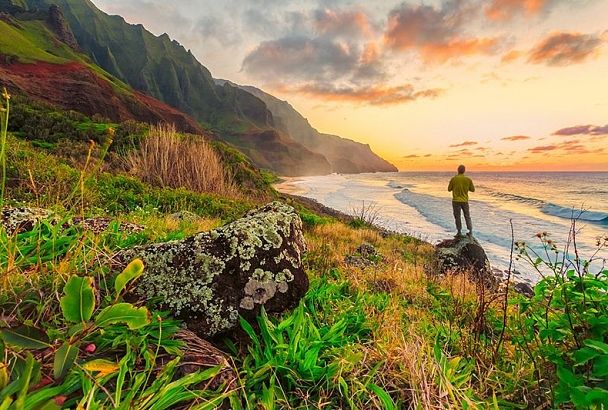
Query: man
{"type": "Point", "coordinates": [460, 186]}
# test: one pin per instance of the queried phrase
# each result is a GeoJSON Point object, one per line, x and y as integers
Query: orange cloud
{"type": "Point", "coordinates": [437, 34]}
{"type": "Point", "coordinates": [560, 49]}
{"type": "Point", "coordinates": [511, 56]}
{"type": "Point", "coordinates": [502, 10]}
{"type": "Point", "coordinates": [374, 95]}
{"type": "Point", "coordinates": [442, 52]}
{"type": "Point", "coordinates": [464, 144]}
{"type": "Point", "coordinates": [516, 138]}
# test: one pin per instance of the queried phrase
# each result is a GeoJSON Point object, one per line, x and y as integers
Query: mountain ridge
{"type": "Point", "coordinates": [344, 155]}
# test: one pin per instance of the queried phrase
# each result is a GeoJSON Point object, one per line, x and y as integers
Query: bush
{"type": "Point", "coordinates": [564, 326]}
{"type": "Point", "coordinates": [168, 159]}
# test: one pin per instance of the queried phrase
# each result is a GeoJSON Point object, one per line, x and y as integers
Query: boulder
{"type": "Point", "coordinates": [209, 279]}
{"type": "Point", "coordinates": [524, 289]}
{"type": "Point", "coordinates": [365, 256]}
{"type": "Point", "coordinates": [23, 219]}
{"type": "Point", "coordinates": [464, 255]}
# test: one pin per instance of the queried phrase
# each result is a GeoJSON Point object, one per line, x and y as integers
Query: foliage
{"type": "Point", "coordinates": [564, 326]}
{"type": "Point", "coordinates": [302, 360]}
{"type": "Point", "coordinates": [89, 348]}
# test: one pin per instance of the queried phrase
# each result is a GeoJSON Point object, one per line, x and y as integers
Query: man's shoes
{"type": "Point", "coordinates": [458, 235]}
{"type": "Point", "coordinates": [470, 234]}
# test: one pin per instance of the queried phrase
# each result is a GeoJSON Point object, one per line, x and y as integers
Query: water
{"type": "Point", "coordinates": [419, 204]}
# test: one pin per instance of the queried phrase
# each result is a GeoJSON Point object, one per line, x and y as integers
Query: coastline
{"type": "Point", "coordinates": [288, 189]}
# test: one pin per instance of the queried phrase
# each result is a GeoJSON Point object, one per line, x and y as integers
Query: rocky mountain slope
{"type": "Point", "coordinates": [35, 63]}
{"type": "Point", "coordinates": [39, 59]}
{"type": "Point", "coordinates": [40, 50]}
{"type": "Point", "coordinates": [157, 66]}
{"type": "Point", "coordinates": [344, 155]}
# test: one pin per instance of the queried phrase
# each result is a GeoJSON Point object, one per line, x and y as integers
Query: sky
{"type": "Point", "coordinates": [505, 85]}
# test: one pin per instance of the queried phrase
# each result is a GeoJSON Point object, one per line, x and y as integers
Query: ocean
{"type": "Point", "coordinates": [418, 204]}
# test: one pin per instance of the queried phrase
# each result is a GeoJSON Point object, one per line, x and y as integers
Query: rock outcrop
{"type": "Point", "coordinates": [366, 255]}
{"type": "Point", "coordinates": [211, 278]}
{"type": "Point", "coordinates": [464, 255]}
{"type": "Point", "coordinates": [23, 219]}
{"type": "Point", "coordinates": [60, 27]}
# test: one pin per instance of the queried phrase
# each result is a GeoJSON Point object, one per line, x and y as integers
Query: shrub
{"type": "Point", "coordinates": [168, 159]}
{"type": "Point", "coordinates": [564, 326]}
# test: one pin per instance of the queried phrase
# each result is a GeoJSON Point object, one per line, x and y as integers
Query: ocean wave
{"type": "Point", "coordinates": [569, 213]}
{"type": "Point", "coordinates": [398, 185]}
{"type": "Point", "coordinates": [554, 209]}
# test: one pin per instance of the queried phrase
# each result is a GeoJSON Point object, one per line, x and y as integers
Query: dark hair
{"type": "Point", "coordinates": [461, 169]}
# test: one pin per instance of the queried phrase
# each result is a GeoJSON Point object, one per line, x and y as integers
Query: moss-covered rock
{"type": "Point", "coordinates": [211, 278]}
{"type": "Point", "coordinates": [464, 254]}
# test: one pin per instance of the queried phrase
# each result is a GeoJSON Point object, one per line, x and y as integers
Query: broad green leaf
{"type": "Point", "coordinates": [585, 354]}
{"type": "Point", "coordinates": [65, 357]}
{"type": "Point", "coordinates": [133, 271]}
{"type": "Point", "coordinates": [25, 337]}
{"type": "Point", "coordinates": [125, 313]}
{"type": "Point", "coordinates": [78, 302]}
{"type": "Point", "coordinates": [597, 345]}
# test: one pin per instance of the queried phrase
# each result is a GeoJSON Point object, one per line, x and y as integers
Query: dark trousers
{"type": "Point", "coordinates": [464, 207]}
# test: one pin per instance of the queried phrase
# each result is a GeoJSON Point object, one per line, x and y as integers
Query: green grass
{"type": "Point", "coordinates": [30, 43]}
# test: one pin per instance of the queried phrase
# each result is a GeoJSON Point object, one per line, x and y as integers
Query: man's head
{"type": "Point", "coordinates": [461, 169]}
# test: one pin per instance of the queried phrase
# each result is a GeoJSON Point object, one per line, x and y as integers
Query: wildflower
{"type": "Point", "coordinates": [90, 348]}
{"type": "Point", "coordinates": [5, 94]}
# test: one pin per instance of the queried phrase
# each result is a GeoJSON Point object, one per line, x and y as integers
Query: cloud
{"type": "Point", "coordinates": [347, 23]}
{"type": "Point", "coordinates": [318, 59]}
{"type": "Point", "coordinates": [543, 148]}
{"type": "Point", "coordinates": [570, 147]}
{"type": "Point", "coordinates": [516, 138]}
{"type": "Point", "coordinates": [464, 144]}
{"type": "Point", "coordinates": [511, 56]}
{"type": "Point", "coordinates": [503, 10]}
{"type": "Point", "coordinates": [411, 156]}
{"type": "Point", "coordinates": [373, 95]}
{"type": "Point", "coordinates": [436, 34]}
{"type": "Point", "coordinates": [583, 130]}
{"type": "Point", "coordinates": [562, 48]}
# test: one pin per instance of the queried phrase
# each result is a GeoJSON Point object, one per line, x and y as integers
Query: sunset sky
{"type": "Point", "coordinates": [496, 84]}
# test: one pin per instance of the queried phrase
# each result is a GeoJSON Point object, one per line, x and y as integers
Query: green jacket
{"type": "Point", "coordinates": [460, 186]}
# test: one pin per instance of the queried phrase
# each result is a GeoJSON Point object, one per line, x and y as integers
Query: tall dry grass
{"type": "Point", "coordinates": [168, 159]}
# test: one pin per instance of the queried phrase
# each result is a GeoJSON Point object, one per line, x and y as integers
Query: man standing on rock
{"type": "Point", "coordinates": [460, 186]}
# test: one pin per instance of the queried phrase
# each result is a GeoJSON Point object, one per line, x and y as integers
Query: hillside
{"type": "Point", "coordinates": [344, 155]}
{"type": "Point", "coordinates": [35, 63]}
{"type": "Point", "coordinates": [161, 67]}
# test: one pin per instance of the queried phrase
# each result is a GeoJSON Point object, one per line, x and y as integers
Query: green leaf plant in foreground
{"type": "Point", "coordinates": [133, 271]}
{"type": "Point", "coordinates": [78, 302]}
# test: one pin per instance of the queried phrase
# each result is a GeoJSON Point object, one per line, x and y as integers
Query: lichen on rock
{"type": "Point", "coordinates": [210, 278]}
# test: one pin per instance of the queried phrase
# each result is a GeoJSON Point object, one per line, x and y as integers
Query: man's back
{"type": "Point", "coordinates": [460, 186]}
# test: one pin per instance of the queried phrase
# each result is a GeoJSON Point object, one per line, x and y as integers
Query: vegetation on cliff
{"type": "Point", "coordinates": [71, 54]}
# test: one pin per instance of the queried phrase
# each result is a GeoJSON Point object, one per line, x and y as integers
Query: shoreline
{"type": "Point", "coordinates": [286, 189]}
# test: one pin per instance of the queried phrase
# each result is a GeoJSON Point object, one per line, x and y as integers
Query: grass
{"type": "Point", "coordinates": [29, 41]}
{"type": "Point", "coordinates": [168, 159]}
